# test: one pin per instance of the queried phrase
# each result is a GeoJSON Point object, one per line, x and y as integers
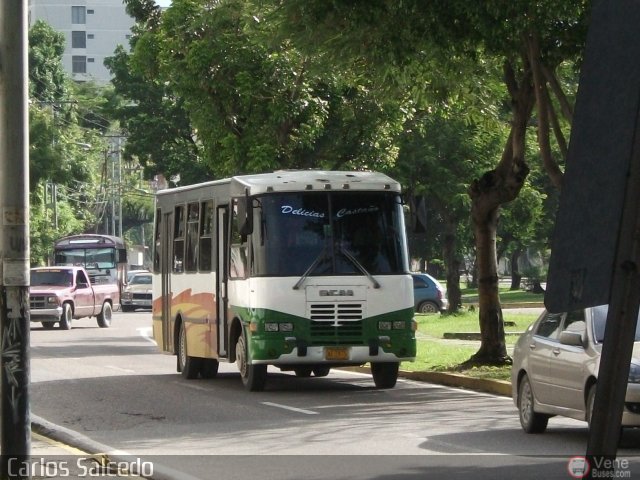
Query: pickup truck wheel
{"type": "Point", "coordinates": [104, 317]}
{"type": "Point", "coordinates": [67, 317]}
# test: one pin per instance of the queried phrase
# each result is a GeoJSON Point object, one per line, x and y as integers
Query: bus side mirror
{"type": "Point", "coordinates": [245, 216]}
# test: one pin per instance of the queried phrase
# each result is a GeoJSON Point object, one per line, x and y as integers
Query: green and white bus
{"type": "Point", "coordinates": [301, 270]}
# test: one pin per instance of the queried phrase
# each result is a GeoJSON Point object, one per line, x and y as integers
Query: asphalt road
{"type": "Point", "coordinates": [112, 386]}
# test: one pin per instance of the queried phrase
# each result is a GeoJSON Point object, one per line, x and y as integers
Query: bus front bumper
{"type": "Point", "coordinates": [339, 355]}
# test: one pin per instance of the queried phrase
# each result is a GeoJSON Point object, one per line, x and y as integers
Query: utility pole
{"type": "Point", "coordinates": [15, 428]}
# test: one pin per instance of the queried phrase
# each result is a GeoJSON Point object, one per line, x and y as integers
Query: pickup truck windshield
{"type": "Point", "coordinates": [61, 278]}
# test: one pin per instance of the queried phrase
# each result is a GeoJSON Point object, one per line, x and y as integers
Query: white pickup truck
{"type": "Point", "coordinates": [60, 294]}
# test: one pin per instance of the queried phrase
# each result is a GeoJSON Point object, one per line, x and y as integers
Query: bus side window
{"type": "Point", "coordinates": [206, 236]}
{"type": "Point", "coordinates": [191, 252]}
{"type": "Point", "coordinates": [157, 248]}
{"type": "Point", "coordinates": [238, 251]}
{"type": "Point", "coordinates": [178, 240]}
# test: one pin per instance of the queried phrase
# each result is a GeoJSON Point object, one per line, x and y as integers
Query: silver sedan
{"type": "Point", "coordinates": [555, 369]}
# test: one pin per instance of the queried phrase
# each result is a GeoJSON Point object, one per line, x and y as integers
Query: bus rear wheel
{"type": "Point", "coordinates": [188, 366]}
{"type": "Point", "coordinates": [385, 375]}
{"type": "Point", "coordinates": [253, 377]}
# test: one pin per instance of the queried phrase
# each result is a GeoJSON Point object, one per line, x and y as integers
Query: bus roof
{"type": "Point", "coordinates": [301, 180]}
{"type": "Point", "coordinates": [88, 240]}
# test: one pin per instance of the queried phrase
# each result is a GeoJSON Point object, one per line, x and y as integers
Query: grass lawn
{"type": "Point", "coordinates": [436, 354]}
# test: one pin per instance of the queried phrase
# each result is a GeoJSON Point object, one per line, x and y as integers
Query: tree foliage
{"type": "Point", "coordinates": [532, 40]}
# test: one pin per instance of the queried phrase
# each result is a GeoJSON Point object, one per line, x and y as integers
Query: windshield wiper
{"type": "Point", "coordinates": [313, 265]}
{"type": "Point", "coordinates": [359, 266]}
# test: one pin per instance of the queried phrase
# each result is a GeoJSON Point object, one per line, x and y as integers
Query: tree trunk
{"type": "Point", "coordinates": [493, 350]}
{"type": "Point", "coordinates": [516, 276]}
{"type": "Point", "coordinates": [488, 193]}
{"type": "Point", "coordinates": [452, 263]}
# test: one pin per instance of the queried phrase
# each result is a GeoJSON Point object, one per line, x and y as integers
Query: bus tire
{"type": "Point", "coordinates": [209, 368]}
{"type": "Point", "coordinates": [67, 317]}
{"type": "Point", "coordinates": [104, 317]}
{"type": "Point", "coordinates": [188, 366]}
{"type": "Point", "coordinates": [253, 377]}
{"type": "Point", "coordinates": [303, 372]}
{"type": "Point", "coordinates": [385, 375]}
{"type": "Point", "coordinates": [321, 371]}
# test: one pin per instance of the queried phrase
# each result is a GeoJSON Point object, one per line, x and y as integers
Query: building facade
{"type": "Point", "coordinates": [92, 28]}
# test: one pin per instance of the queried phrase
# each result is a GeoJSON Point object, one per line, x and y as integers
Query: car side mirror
{"type": "Point", "coordinates": [571, 338]}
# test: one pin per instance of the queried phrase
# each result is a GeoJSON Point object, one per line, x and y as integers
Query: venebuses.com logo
{"type": "Point", "coordinates": [598, 467]}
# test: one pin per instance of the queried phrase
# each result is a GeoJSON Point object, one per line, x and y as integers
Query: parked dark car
{"type": "Point", "coordinates": [429, 295]}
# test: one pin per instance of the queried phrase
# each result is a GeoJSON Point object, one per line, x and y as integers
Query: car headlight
{"type": "Point", "coordinates": [634, 373]}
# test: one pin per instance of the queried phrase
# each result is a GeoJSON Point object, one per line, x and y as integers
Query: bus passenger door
{"type": "Point", "coordinates": [166, 262]}
{"type": "Point", "coordinates": [221, 280]}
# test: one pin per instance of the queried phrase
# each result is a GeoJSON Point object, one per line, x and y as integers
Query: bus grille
{"type": "Point", "coordinates": [336, 323]}
{"type": "Point", "coordinates": [335, 311]}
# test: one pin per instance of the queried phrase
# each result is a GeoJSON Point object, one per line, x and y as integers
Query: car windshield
{"type": "Point", "coordinates": [599, 322]}
{"type": "Point", "coordinates": [63, 278]}
{"type": "Point", "coordinates": [141, 280]}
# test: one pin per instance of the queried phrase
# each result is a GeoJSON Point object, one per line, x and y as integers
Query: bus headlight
{"type": "Point", "coordinates": [384, 325]}
{"type": "Point", "coordinates": [278, 327]}
{"type": "Point", "coordinates": [399, 325]}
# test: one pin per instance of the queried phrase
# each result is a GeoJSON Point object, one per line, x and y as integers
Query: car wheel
{"type": "Point", "coordinates": [104, 317]}
{"type": "Point", "coordinates": [253, 377]}
{"type": "Point", "coordinates": [531, 421]}
{"type": "Point", "coordinates": [321, 371]}
{"type": "Point", "coordinates": [48, 325]}
{"type": "Point", "coordinates": [188, 366]}
{"type": "Point", "coordinates": [385, 375]}
{"type": "Point", "coordinates": [67, 317]}
{"type": "Point", "coordinates": [427, 307]}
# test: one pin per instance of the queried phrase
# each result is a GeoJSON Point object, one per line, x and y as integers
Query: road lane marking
{"type": "Point", "coordinates": [293, 409]}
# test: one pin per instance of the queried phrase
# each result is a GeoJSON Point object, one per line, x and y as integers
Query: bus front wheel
{"type": "Point", "coordinates": [253, 376]}
{"type": "Point", "coordinates": [385, 375]}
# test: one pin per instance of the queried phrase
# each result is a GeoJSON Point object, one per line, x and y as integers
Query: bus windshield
{"type": "Point", "coordinates": [89, 258]}
{"type": "Point", "coordinates": [333, 233]}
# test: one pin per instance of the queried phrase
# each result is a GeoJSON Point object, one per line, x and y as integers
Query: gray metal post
{"type": "Point", "coordinates": [15, 438]}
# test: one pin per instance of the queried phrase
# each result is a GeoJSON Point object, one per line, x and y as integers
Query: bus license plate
{"type": "Point", "coordinates": [336, 353]}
